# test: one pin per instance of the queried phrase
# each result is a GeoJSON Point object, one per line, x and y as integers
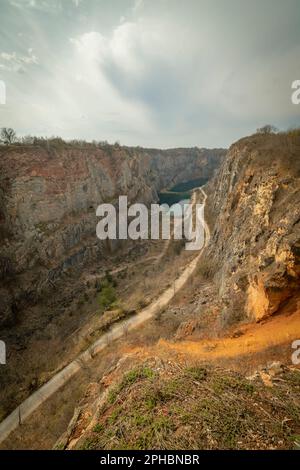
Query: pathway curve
{"type": "Point", "coordinates": [28, 406]}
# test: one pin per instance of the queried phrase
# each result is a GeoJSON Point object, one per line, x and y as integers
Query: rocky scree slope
{"type": "Point", "coordinates": [254, 251]}
{"type": "Point", "coordinates": [48, 201]}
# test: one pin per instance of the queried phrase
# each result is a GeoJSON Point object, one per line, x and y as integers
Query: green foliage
{"type": "Point", "coordinates": [197, 373]}
{"type": "Point", "coordinates": [107, 295]}
{"type": "Point", "coordinates": [128, 379]}
{"type": "Point", "coordinates": [98, 427]}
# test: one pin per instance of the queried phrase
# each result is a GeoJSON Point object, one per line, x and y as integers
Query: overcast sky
{"type": "Point", "coordinates": [159, 73]}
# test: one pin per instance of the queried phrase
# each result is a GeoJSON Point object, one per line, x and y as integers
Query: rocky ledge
{"type": "Point", "coordinates": [254, 252]}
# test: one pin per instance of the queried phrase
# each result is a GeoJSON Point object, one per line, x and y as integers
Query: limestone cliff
{"type": "Point", "coordinates": [255, 246]}
{"type": "Point", "coordinates": [48, 198]}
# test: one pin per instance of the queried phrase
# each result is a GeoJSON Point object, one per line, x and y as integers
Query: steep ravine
{"type": "Point", "coordinates": [252, 266]}
{"type": "Point", "coordinates": [48, 201]}
{"type": "Point", "coordinates": [224, 317]}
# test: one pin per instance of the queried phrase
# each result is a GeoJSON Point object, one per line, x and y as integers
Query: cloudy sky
{"type": "Point", "coordinates": [159, 73]}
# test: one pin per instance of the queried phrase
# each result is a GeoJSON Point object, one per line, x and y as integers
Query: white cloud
{"type": "Point", "coordinates": [15, 62]}
{"type": "Point", "coordinates": [92, 54]}
{"type": "Point", "coordinates": [152, 73]}
{"type": "Point", "coordinates": [39, 5]}
{"type": "Point", "coordinates": [138, 4]}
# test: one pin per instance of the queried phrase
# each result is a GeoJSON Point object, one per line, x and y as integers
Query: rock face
{"type": "Point", "coordinates": [48, 200]}
{"type": "Point", "coordinates": [255, 246]}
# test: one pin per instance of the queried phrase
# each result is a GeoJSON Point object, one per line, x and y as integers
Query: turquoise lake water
{"type": "Point", "coordinates": [180, 192]}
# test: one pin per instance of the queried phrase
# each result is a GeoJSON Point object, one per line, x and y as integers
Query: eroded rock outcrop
{"type": "Point", "coordinates": [48, 200]}
{"type": "Point", "coordinates": [255, 245]}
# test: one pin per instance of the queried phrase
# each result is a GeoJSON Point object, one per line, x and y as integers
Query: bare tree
{"type": "Point", "coordinates": [27, 140]}
{"type": "Point", "coordinates": [267, 129]}
{"type": "Point", "coordinates": [7, 136]}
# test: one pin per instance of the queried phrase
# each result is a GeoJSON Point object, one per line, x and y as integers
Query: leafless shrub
{"type": "Point", "coordinates": [267, 129]}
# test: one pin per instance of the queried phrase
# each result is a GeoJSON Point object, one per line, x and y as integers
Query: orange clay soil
{"type": "Point", "coordinates": [255, 338]}
{"type": "Point", "coordinates": [281, 329]}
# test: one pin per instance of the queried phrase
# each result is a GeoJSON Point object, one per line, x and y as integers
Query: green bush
{"type": "Point", "coordinates": [107, 295]}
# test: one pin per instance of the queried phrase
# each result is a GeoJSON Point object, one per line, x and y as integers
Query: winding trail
{"type": "Point", "coordinates": [28, 406]}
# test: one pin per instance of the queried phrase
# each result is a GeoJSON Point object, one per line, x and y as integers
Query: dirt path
{"type": "Point", "coordinates": [245, 347]}
{"type": "Point", "coordinates": [23, 411]}
{"type": "Point", "coordinates": [252, 339]}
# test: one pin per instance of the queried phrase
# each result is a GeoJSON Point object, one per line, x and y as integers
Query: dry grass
{"type": "Point", "coordinates": [197, 408]}
{"type": "Point", "coordinates": [207, 267]}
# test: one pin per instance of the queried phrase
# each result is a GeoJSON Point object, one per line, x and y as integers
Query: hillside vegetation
{"type": "Point", "coordinates": [160, 405]}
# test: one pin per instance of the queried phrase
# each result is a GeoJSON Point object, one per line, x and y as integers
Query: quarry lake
{"type": "Point", "coordinates": [181, 192]}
